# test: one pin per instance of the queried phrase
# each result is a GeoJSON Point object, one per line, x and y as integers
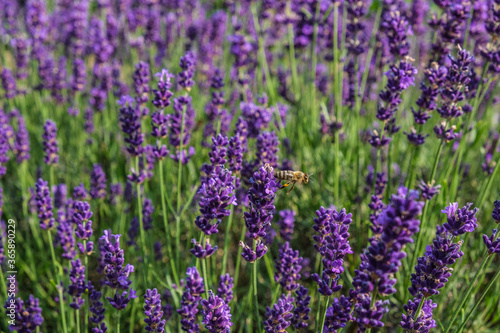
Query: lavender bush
{"type": "Point", "coordinates": [141, 144]}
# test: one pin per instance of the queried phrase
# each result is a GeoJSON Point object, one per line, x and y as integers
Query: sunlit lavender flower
{"type": "Point", "coordinates": [492, 243]}
{"type": "Point", "coordinates": [21, 146]}
{"type": "Point", "coordinates": [44, 205]}
{"type": "Point", "coordinates": [50, 146]}
{"type": "Point", "coordinates": [116, 275]}
{"type": "Point", "coordinates": [130, 121]}
{"type": "Point", "coordinates": [301, 310]}
{"type": "Point", "coordinates": [80, 193]}
{"type": "Point", "coordinates": [286, 224]}
{"type": "Point", "coordinates": [261, 196]}
{"type": "Point", "coordinates": [225, 288]}
{"type": "Point", "coordinates": [153, 311]}
{"type": "Point", "coordinates": [77, 284]}
{"type": "Point", "coordinates": [97, 310]}
{"type": "Point", "coordinates": [216, 314]}
{"type": "Point", "coordinates": [97, 183]}
{"type": "Point", "coordinates": [495, 214]}
{"type": "Point", "coordinates": [267, 149]}
{"type": "Point", "coordinates": [202, 250]}
{"type": "Point", "coordinates": [8, 83]}
{"type": "Point", "coordinates": [288, 266]}
{"type": "Point", "coordinates": [429, 190]}
{"type": "Point", "coordinates": [338, 314]}
{"type": "Point", "coordinates": [141, 82]}
{"type": "Point", "coordinates": [278, 318]}
{"type": "Point", "coordinates": [28, 314]}
{"type": "Point", "coordinates": [190, 300]}
{"type": "Point", "coordinates": [65, 237]}
{"type": "Point", "coordinates": [460, 221]}
{"type": "Point", "coordinates": [257, 118]}
{"type": "Point", "coordinates": [424, 320]}
{"type": "Point", "coordinates": [187, 64]}
{"type": "Point", "coordinates": [81, 218]}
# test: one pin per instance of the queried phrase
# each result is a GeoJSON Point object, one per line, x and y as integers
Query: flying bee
{"type": "Point", "coordinates": [292, 177]}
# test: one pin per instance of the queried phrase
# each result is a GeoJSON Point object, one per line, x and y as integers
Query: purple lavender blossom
{"type": "Point", "coordinates": [28, 314]}
{"type": "Point", "coordinates": [80, 193]}
{"type": "Point", "coordinates": [59, 192]}
{"type": "Point", "coordinates": [424, 321]}
{"type": "Point", "coordinates": [187, 64]}
{"type": "Point", "coordinates": [97, 183]}
{"type": "Point", "coordinates": [216, 314]}
{"type": "Point", "coordinates": [21, 46]}
{"type": "Point", "coordinates": [153, 311]}
{"type": "Point", "coordinates": [77, 284]}
{"type": "Point", "coordinates": [115, 191]}
{"type": "Point", "coordinates": [65, 237]}
{"type": "Point", "coordinates": [190, 300]}
{"type": "Point", "coordinates": [460, 221]}
{"type": "Point", "coordinates": [44, 205]}
{"type": "Point", "coordinates": [130, 120]}
{"type": "Point", "coordinates": [495, 214]}
{"type": "Point", "coordinates": [288, 266]}
{"type": "Point", "coordinates": [429, 190]}
{"type": "Point", "coordinates": [21, 146]}
{"type": "Point", "coordinates": [301, 310]}
{"type": "Point", "coordinates": [278, 318]}
{"type": "Point", "coordinates": [338, 314]}
{"type": "Point", "coordinates": [141, 82]}
{"type": "Point", "coordinates": [492, 243]}
{"type": "Point", "coordinates": [238, 145]}
{"type": "Point", "coordinates": [225, 288]}
{"type": "Point", "coordinates": [50, 143]}
{"type": "Point", "coordinates": [332, 243]}
{"type": "Point", "coordinates": [261, 196]}
{"type": "Point", "coordinates": [81, 218]}
{"type": "Point", "coordinates": [203, 250]}
{"type": "Point", "coordinates": [97, 310]}
{"type": "Point", "coordinates": [257, 118]}
{"type": "Point", "coordinates": [286, 224]}
{"type": "Point", "coordinates": [8, 83]}
{"type": "Point", "coordinates": [267, 149]}
{"type": "Point", "coordinates": [116, 275]}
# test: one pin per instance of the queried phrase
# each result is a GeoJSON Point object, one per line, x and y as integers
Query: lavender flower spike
{"type": "Point", "coordinates": [190, 300]}
{"type": "Point", "coordinates": [50, 143]}
{"type": "Point", "coordinates": [288, 268]}
{"type": "Point", "coordinates": [261, 196]}
{"type": "Point", "coordinates": [278, 318]}
{"type": "Point", "coordinates": [216, 314]}
{"type": "Point", "coordinates": [153, 311]}
{"type": "Point", "coordinates": [44, 205]}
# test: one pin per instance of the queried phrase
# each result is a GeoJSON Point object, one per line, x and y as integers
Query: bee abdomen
{"type": "Point", "coordinates": [284, 175]}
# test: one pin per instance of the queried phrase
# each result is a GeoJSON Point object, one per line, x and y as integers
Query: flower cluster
{"type": "Point", "coordinates": [261, 196]}
{"type": "Point", "coordinates": [225, 289]}
{"type": "Point", "coordinates": [28, 314]}
{"type": "Point", "coordinates": [130, 121]}
{"type": "Point", "coordinates": [279, 317]}
{"type": "Point", "coordinates": [301, 310]}
{"type": "Point", "coordinates": [50, 146]}
{"type": "Point", "coordinates": [216, 314]}
{"type": "Point", "coordinates": [153, 311]}
{"type": "Point", "coordinates": [288, 266]}
{"type": "Point", "coordinates": [116, 275]}
{"type": "Point", "coordinates": [181, 124]}
{"type": "Point", "coordinates": [44, 205]}
{"type": "Point", "coordinates": [190, 300]}
{"type": "Point", "coordinates": [77, 286]}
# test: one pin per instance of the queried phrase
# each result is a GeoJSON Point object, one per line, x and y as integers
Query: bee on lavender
{"type": "Point", "coordinates": [292, 177]}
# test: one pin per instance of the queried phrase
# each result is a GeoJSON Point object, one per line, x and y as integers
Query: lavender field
{"type": "Point", "coordinates": [249, 166]}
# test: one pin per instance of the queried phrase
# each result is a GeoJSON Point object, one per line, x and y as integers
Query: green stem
{"type": "Point", "coordinates": [324, 315]}
{"type": "Point", "coordinates": [141, 225]}
{"type": "Point", "coordinates": [86, 306]}
{"type": "Point", "coordinates": [255, 294]}
{"type": "Point", "coordinates": [179, 182]}
{"type": "Point", "coordinates": [58, 279]}
{"type": "Point", "coordinates": [205, 276]}
{"type": "Point", "coordinates": [165, 223]}
{"type": "Point", "coordinates": [238, 259]}
{"type": "Point", "coordinates": [465, 296]}
{"type": "Point", "coordinates": [420, 305]}
{"type": "Point", "coordinates": [293, 63]}
{"type": "Point", "coordinates": [483, 195]}
{"type": "Point", "coordinates": [476, 304]}
{"type": "Point", "coordinates": [77, 315]}
{"type": "Point", "coordinates": [226, 240]}
{"type": "Point", "coordinates": [118, 313]}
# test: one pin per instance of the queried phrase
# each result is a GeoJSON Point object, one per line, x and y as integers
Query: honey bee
{"type": "Point", "coordinates": [292, 177]}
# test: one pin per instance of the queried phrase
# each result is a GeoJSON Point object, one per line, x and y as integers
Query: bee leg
{"type": "Point", "coordinates": [284, 185]}
{"type": "Point", "coordinates": [293, 185]}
